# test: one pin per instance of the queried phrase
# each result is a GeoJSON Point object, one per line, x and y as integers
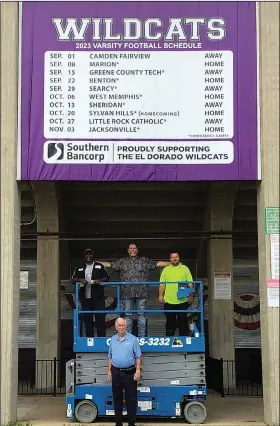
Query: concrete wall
{"type": "Point", "coordinates": [10, 212]}
{"type": "Point", "coordinates": [268, 196]}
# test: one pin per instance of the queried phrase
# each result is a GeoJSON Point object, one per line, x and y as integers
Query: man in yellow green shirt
{"type": "Point", "coordinates": [175, 272]}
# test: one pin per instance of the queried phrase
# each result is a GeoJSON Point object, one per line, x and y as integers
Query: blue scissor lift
{"type": "Point", "coordinates": [172, 384]}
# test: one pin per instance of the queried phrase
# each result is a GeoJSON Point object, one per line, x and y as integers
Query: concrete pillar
{"type": "Point", "coordinates": [203, 248]}
{"type": "Point", "coordinates": [64, 252]}
{"type": "Point", "coordinates": [65, 273]}
{"type": "Point", "coordinates": [10, 214]}
{"type": "Point", "coordinates": [268, 196]}
{"type": "Point", "coordinates": [220, 260]}
{"type": "Point", "coordinates": [48, 281]}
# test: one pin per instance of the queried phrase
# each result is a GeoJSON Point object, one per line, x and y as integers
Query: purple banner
{"type": "Point", "coordinates": [144, 91]}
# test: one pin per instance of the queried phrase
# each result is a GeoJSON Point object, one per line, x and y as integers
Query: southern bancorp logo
{"type": "Point", "coordinates": [54, 152]}
{"type": "Point", "coordinates": [77, 152]}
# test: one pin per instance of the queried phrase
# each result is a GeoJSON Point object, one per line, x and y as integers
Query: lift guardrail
{"type": "Point", "coordinates": [194, 343]}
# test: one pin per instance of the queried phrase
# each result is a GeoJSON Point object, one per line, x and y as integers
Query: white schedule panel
{"type": "Point", "coordinates": [138, 95]}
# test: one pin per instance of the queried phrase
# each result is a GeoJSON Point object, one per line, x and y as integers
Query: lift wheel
{"type": "Point", "coordinates": [195, 412]}
{"type": "Point", "coordinates": [86, 411]}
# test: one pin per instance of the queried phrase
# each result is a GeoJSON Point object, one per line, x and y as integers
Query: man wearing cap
{"type": "Point", "coordinates": [92, 275]}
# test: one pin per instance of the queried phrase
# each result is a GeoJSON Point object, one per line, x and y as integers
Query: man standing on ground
{"type": "Point", "coordinates": [124, 371]}
{"type": "Point", "coordinates": [92, 295]}
{"type": "Point", "coordinates": [175, 272]}
{"type": "Point", "coordinates": [132, 269]}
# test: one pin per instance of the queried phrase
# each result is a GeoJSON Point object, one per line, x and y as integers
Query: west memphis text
{"type": "Point", "coordinates": [136, 29]}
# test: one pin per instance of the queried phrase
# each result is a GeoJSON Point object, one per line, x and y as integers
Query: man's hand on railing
{"type": "Point", "coordinates": [83, 281]}
{"type": "Point", "coordinates": [190, 298]}
{"type": "Point", "coordinates": [96, 282]}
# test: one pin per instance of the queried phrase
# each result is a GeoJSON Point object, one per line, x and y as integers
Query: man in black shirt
{"type": "Point", "coordinates": [92, 275]}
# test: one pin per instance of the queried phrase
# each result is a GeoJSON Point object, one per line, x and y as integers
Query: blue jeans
{"type": "Point", "coordinates": [140, 305]}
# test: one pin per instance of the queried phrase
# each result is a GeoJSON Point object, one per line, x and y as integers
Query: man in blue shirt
{"type": "Point", "coordinates": [124, 371]}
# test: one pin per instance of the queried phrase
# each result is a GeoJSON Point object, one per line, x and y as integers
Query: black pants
{"type": "Point", "coordinates": [176, 319]}
{"type": "Point", "coordinates": [123, 381]}
{"type": "Point", "coordinates": [97, 304]}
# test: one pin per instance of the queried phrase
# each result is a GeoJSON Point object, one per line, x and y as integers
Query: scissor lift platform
{"type": "Point", "coordinates": [172, 383]}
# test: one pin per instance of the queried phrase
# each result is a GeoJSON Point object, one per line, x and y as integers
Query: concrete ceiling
{"type": "Point", "coordinates": [148, 212]}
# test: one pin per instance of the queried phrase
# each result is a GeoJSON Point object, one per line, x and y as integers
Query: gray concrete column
{"type": "Point", "coordinates": [203, 248]}
{"type": "Point", "coordinates": [64, 254]}
{"type": "Point", "coordinates": [268, 196]}
{"type": "Point", "coordinates": [10, 214]}
{"type": "Point", "coordinates": [64, 251]}
{"type": "Point", "coordinates": [48, 280]}
{"type": "Point", "coordinates": [220, 260]}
